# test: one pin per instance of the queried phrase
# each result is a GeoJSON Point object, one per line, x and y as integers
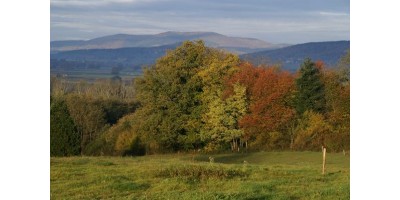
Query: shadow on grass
{"type": "Point", "coordinates": [232, 158]}
{"type": "Point", "coordinates": [80, 161]}
{"type": "Point", "coordinates": [105, 163]}
{"type": "Point", "coordinates": [123, 183]}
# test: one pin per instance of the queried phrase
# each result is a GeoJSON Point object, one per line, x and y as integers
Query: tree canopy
{"type": "Point", "coordinates": [201, 98]}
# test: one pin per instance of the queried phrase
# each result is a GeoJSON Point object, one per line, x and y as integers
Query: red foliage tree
{"type": "Point", "coordinates": [268, 90]}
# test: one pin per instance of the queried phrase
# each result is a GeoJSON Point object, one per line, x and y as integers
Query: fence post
{"type": "Point", "coordinates": [323, 160]}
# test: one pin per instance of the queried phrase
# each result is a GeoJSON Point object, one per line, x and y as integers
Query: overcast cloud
{"type": "Point", "coordinates": [276, 21]}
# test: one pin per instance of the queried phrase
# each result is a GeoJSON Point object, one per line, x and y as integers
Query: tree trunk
{"type": "Point", "coordinates": [291, 142]}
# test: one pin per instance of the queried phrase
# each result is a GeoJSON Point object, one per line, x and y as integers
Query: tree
{"type": "Point", "coordinates": [312, 131]}
{"type": "Point", "coordinates": [172, 94]}
{"type": "Point", "coordinates": [64, 138]}
{"type": "Point", "coordinates": [344, 68]}
{"type": "Point", "coordinates": [88, 117]}
{"type": "Point", "coordinates": [222, 120]}
{"type": "Point", "coordinates": [310, 89]}
{"type": "Point", "coordinates": [337, 93]}
{"type": "Point", "coordinates": [94, 107]}
{"type": "Point", "coordinates": [268, 91]}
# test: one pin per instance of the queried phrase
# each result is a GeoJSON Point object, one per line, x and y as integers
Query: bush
{"type": "Point", "coordinates": [200, 172]}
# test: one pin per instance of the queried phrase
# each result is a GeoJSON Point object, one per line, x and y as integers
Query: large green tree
{"type": "Point", "coordinates": [64, 138]}
{"type": "Point", "coordinates": [172, 94]}
{"type": "Point", "coordinates": [310, 89]}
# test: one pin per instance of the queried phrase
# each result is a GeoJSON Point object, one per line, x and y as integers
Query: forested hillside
{"type": "Point", "coordinates": [291, 57]}
{"type": "Point", "coordinates": [201, 98]}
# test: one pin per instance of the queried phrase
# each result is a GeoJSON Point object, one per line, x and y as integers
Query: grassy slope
{"type": "Point", "coordinates": [270, 175]}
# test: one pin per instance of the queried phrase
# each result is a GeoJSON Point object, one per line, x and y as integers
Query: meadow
{"type": "Point", "coordinates": [259, 175]}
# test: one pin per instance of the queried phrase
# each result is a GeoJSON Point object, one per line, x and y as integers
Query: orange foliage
{"type": "Point", "coordinates": [319, 64]}
{"type": "Point", "coordinates": [268, 90]}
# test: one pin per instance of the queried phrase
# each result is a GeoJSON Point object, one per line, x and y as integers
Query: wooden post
{"type": "Point", "coordinates": [323, 160]}
{"type": "Point", "coordinates": [344, 152]}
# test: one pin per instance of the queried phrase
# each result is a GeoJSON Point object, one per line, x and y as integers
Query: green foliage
{"type": "Point", "coordinates": [88, 116]}
{"type": "Point", "coordinates": [116, 109]}
{"type": "Point", "coordinates": [172, 95]}
{"type": "Point", "coordinates": [64, 138]}
{"type": "Point", "coordinates": [197, 97]}
{"type": "Point", "coordinates": [98, 147]}
{"type": "Point", "coordinates": [118, 138]}
{"type": "Point", "coordinates": [310, 89]}
{"type": "Point", "coordinates": [269, 141]}
{"type": "Point", "coordinates": [137, 148]}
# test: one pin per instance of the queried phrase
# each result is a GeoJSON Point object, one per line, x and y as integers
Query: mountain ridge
{"type": "Point", "coordinates": [133, 58]}
{"type": "Point", "coordinates": [212, 39]}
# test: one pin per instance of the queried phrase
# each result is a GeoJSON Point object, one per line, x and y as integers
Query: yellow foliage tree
{"type": "Point", "coordinates": [312, 131]}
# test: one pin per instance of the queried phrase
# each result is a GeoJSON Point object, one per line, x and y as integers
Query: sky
{"type": "Point", "coordinates": [275, 21]}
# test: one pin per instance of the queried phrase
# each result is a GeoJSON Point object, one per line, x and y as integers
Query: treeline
{"type": "Point", "coordinates": [197, 97]}
{"type": "Point", "coordinates": [81, 112]}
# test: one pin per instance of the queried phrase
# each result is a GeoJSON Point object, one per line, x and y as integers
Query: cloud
{"type": "Point", "coordinates": [269, 20]}
{"type": "Point", "coordinates": [97, 2]}
{"type": "Point", "coordinates": [333, 14]}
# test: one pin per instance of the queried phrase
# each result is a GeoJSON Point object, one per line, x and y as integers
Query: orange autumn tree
{"type": "Point", "coordinates": [269, 92]}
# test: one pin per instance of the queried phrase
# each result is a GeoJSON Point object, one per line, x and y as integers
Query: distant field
{"type": "Point", "coordinates": [263, 175]}
{"type": "Point", "coordinates": [92, 75]}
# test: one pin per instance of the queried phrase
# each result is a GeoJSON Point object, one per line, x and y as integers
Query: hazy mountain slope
{"type": "Point", "coordinates": [291, 57]}
{"type": "Point", "coordinates": [123, 40]}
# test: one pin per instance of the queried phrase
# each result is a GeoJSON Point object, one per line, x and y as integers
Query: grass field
{"type": "Point", "coordinates": [262, 175]}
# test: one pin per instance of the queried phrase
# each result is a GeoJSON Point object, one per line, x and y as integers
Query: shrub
{"type": "Point", "coordinates": [200, 172]}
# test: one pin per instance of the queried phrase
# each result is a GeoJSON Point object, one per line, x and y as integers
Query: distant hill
{"type": "Point", "coordinates": [130, 60]}
{"type": "Point", "coordinates": [234, 44]}
{"type": "Point", "coordinates": [133, 58]}
{"type": "Point", "coordinates": [291, 57]}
